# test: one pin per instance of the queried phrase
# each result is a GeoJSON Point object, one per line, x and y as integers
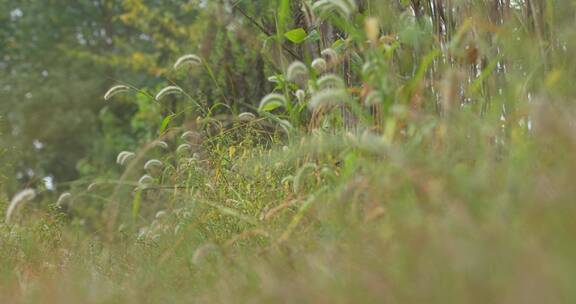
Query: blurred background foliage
{"type": "Point", "coordinates": [59, 57]}
{"type": "Point", "coordinates": [452, 184]}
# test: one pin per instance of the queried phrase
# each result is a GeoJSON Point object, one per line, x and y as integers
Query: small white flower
{"type": "Point", "coordinates": [116, 90]}
{"type": "Point", "coordinates": [169, 90]}
{"type": "Point", "coordinates": [20, 198]}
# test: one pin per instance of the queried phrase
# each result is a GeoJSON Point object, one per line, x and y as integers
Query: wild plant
{"type": "Point", "coordinates": [17, 201]}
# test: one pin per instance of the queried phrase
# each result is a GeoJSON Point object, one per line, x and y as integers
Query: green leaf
{"type": "Point", "coordinates": [296, 35]}
{"type": "Point", "coordinates": [270, 106]}
{"type": "Point", "coordinates": [165, 122]}
{"type": "Point", "coordinates": [136, 204]}
{"type": "Point", "coordinates": [283, 16]}
{"type": "Point", "coordinates": [313, 36]}
{"type": "Point", "coordinates": [338, 45]}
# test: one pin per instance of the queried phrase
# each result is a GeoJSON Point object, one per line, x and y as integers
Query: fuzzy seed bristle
{"type": "Point", "coordinates": [246, 116]}
{"type": "Point", "coordinates": [153, 163]}
{"type": "Point", "coordinates": [272, 101]}
{"type": "Point", "coordinates": [319, 65]}
{"type": "Point", "coordinates": [116, 90]}
{"type": "Point", "coordinates": [189, 59]}
{"type": "Point", "coordinates": [297, 72]}
{"type": "Point", "coordinates": [169, 90]}
{"type": "Point", "coordinates": [18, 199]}
{"type": "Point", "coordinates": [329, 97]}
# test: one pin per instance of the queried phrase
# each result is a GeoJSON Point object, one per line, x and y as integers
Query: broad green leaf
{"type": "Point", "coordinates": [296, 35]}
{"type": "Point", "coordinates": [273, 105]}
{"type": "Point", "coordinates": [165, 122]}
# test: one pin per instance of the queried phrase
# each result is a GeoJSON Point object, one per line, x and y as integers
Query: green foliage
{"type": "Point", "coordinates": [431, 159]}
{"type": "Point", "coordinates": [296, 35]}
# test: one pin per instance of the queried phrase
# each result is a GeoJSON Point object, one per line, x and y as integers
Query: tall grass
{"type": "Point", "coordinates": [430, 159]}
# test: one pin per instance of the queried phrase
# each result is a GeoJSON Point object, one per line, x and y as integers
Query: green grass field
{"type": "Point", "coordinates": [408, 152]}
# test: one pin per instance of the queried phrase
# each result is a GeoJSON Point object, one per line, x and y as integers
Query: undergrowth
{"type": "Point", "coordinates": [434, 163]}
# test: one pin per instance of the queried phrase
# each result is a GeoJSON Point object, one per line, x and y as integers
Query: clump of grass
{"type": "Point", "coordinates": [444, 187]}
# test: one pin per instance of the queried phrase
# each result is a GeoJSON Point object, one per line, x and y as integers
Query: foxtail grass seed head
{"type": "Point", "coordinates": [145, 180]}
{"type": "Point", "coordinates": [20, 198]}
{"type": "Point", "coordinates": [64, 197]}
{"type": "Point", "coordinates": [344, 7]}
{"type": "Point", "coordinates": [160, 214]}
{"type": "Point", "coordinates": [189, 59]}
{"type": "Point", "coordinates": [91, 187]}
{"type": "Point", "coordinates": [330, 81]}
{"type": "Point", "coordinates": [319, 65]}
{"type": "Point", "coordinates": [190, 136]}
{"type": "Point", "coordinates": [297, 72]}
{"type": "Point", "coordinates": [161, 144]}
{"type": "Point", "coordinates": [124, 157]}
{"type": "Point", "coordinates": [272, 101]}
{"type": "Point", "coordinates": [373, 98]}
{"type": "Point", "coordinates": [328, 98]}
{"type": "Point", "coordinates": [152, 164]}
{"type": "Point", "coordinates": [116, 90]}
{"type": "Point", "coordinates": [246, 116]}
{"type": "Point", "coordinates": [169, 90]}
{"type": "Point", "coordinates": [274, 79]}
{"type": "Point", "coordinates": [286, 125]}
{"type": "Point", "coordinates": [183, 148]}
{"type": "Point", "coordinates": [330, 55]}
{"type": "Point", "coordinates": [301, 96]}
